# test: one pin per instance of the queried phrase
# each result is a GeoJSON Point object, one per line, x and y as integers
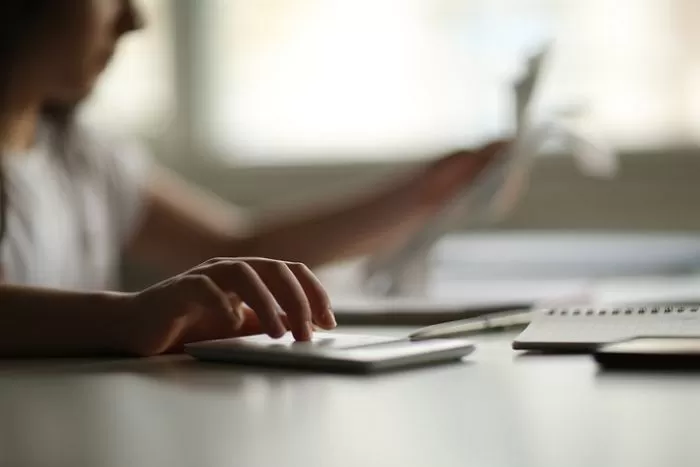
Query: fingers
{"type": "Point", "coordinates": [207, 326]}
{"type": "Point", "coordinates": [251, 323]}
{"type": "Point", "coordinates": [494, 147]}
{"type": "Point", "coordinates": [482, 157]}
{"type": "Point", "coordinates": [200, 289]}
{"type": "Point", "coordinates": [238, 277]}
{"type": "Point", "coordinates": [476, 157]}
{"type": "Point", "coordinates": [449, 174]}
{"type": "Point", "coordinates": [246, 282]}
{"type": "Point", "coordinates": [486, 154]}
{"type": "Point", "coordinates": [290, 295]}
{"type": "Point", "coordinates": [321, 310]}
{"type": "Point", "coordinates": [300, 294]}
{"type": "Point", "coordinates": [270, 287]}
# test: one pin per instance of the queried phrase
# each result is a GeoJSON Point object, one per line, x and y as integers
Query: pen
{"type": "Point", "coordinates": [495, 322]}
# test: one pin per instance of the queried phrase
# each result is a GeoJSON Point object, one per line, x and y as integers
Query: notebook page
{"type": "Point", "coordinates": [599, 326]}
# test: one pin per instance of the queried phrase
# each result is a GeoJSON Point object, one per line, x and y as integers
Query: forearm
{"type": "Point", "coordinates": [42, 322]}
{"type": "Point", "coordinates": [183, 227]}
{"type": "Point", "coordinates": [336, 233]}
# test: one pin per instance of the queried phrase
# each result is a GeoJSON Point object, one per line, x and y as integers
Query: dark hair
{"type": "Point", "coordinates": [25, 27]}
{"type": "Point", "coordinates": [22, 23]}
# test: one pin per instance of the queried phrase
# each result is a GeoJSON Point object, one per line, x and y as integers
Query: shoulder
{"type": "Point", "coordinates": [117, 166]}
{"type": "Point", "coordinates": [104, 157]}
{"type": "Point", "coordinates": [103, 148]}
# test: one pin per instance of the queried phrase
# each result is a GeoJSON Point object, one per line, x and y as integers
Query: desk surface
{"type": "Point", "coordinates": [498, 408]}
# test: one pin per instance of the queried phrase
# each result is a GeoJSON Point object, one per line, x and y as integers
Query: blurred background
{"type": "Point", "coordinates": [272, 103]}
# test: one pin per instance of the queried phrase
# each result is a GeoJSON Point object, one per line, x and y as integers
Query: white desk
{"type": "Point", "coordinates": [498, 409]}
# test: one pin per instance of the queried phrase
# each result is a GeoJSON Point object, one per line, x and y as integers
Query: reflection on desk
{"type": "Point", "coordinates": [498, 408]}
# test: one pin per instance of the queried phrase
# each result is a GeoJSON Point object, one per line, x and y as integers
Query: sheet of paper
{"type": "Point", "coordinates": [525, 89]}
{"type": "Point", "coordinates": [496, 192]}
{"type": "Point", "coordinates": [489, 197]}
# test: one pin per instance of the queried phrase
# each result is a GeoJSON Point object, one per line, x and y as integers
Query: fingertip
{"type": "Point", "coordinates": [237, 318]}
{"type": "Point", "coordinates": [285, 321]}
{"type": "Point", "coordinates": [327, 320]}
{"type": "Point", "coordinates": [304, 334]}
{"type": "Point", "coordinates": [498, 146]}
{"type": "Point", "coordinates": [277, 333]}
{"type": "Point", "coordinates": [331, 319]}
{"type": "Point", "coordinates": [276, 329]}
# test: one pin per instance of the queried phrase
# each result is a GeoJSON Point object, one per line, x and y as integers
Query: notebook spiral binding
{"type": "Point", "coordinates": [651, 310]}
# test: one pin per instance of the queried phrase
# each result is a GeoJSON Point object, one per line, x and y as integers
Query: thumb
{"type": "Point", "coordinates": [251, 322]}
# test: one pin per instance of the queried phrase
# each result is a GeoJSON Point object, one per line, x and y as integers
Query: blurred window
{"type": "Point", "coordinates": [290, 81]}
{"type": "Point", "coordinates": [329, 80]}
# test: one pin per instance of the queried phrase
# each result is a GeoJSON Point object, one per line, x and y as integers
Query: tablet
{"type": "Point", "coordinates": [651, 353]}
{"type": "Point", "coordinates": [332, 352]}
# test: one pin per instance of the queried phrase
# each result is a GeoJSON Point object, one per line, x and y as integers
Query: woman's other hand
{"type": "Point", "coordinates": [445, 178]}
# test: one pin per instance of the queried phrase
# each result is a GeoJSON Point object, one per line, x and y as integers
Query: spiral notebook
{"type": "Point", "coordinates": [584, 329]}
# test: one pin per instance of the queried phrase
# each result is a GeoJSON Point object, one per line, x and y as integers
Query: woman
{"type": "Point", "coordinates": [73, 202]}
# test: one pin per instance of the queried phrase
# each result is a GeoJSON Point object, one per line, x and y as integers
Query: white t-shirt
{"type": "Point", "coordinates": [71, 212]}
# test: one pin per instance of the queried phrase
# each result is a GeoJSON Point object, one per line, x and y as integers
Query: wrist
{"type": "Point", "coordinates": [113, 329]}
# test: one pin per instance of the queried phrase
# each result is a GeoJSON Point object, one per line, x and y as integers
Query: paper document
{"type": "Point", "coordinates": [494, 194]}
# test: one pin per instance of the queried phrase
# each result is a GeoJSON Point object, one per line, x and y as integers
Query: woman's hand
{"type": "Point", "coordinates": [393, 215]}
{"type": "Point", "coordinates": [444, 179]}
{"type": "Point", "coordinates": [207, 302]}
